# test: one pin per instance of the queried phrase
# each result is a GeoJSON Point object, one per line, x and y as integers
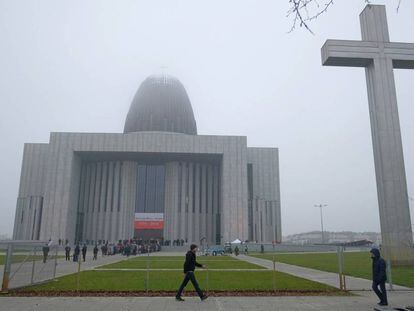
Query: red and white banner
{"type": "Point", "coordinates": [149, 221]}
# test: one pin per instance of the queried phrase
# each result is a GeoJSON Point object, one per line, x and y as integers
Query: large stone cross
{"type": "Point", "coordinates": [379, 57]}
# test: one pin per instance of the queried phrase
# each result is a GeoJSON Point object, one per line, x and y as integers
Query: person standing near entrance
{"type": "Point", "coordinates": [379, 276]}
{"type": "Point", "coordinates": [45, 250]}
{"type": "Point", "coordinates": [95, 252]}
{"type": "Point", "coordinates": [189, 267]}
{"type": "Point", "coordinates": [76, 253]}
{"type": "Point", "coordinates": [67, 252]}
{"type": "Point", "coordinates": [84, 249]}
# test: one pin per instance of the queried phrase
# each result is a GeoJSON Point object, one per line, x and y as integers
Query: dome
{"type": "Point", "coordinates": [161, 104]}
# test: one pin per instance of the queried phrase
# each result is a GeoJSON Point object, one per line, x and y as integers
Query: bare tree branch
{"type": "Point", "coordinates": [305, 11]}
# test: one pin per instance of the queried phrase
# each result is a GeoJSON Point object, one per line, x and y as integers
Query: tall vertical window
{"type": "Point", "coordinates": [150, 189]}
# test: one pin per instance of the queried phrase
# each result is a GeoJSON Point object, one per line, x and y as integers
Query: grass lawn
{"type": "Point", "coordinates": [21, 258]}
{"type": "Point", "coordinates": [176, 262]}
{"type": "Point", "coordinates": [355, 264]}
{"type": "Point", "coordinates": [96, 280]}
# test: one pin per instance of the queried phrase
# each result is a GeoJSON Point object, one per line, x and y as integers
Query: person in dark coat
{"type": "Point", "coordinates": [45, 250]}
{"type": "Point", "coordinates": [76, 253]}
{"type": "Point", "coordinates": [95, 252]}
{"type": "Point", "coordinates": [67, 252]}
{"type": "Point", "coordinates": [379, 276]}
{"type": "Point", "coordinates": [189, 267]}
{"type": "Point", "coordinates": [84, 249]}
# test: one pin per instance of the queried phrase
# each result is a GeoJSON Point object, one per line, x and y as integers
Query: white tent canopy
{"type": "Point", "coordinates": [236, 241]}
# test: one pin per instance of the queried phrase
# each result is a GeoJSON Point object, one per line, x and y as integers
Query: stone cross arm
{"type": "Point", "coordinates": [352, 53]}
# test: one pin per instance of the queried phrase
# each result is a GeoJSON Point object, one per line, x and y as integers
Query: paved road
{"type": "Point", "coordinates": [366, 301]}
{"type": "Point", "coordinates": [332, 279]}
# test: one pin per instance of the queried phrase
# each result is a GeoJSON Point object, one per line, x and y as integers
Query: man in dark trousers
{"type": "Point", "coordinates": [67, 252]}
{"type": "Point", "coordinates": [84, 249]}
{"type": "Point", "coordinates": [379, 276]}
{"type": "Point", "coordinates": [45, 252]}
{"type": "Point", "coordinates": [189, 267]}
{"type": "Point", "coordinates": [76, 253]}
{"type": "Point", "coordinates": [95, 252]}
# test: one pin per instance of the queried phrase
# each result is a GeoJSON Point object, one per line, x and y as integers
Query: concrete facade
{"type": "Point", "coordinates": [379, 57]}
{"type": "Point", "coordinates": [94, 176]}
{"type": "Point", "coordinates": [105, 186]}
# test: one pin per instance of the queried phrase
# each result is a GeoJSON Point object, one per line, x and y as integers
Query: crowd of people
{"type": "Point", "coordinates": [124, 247]}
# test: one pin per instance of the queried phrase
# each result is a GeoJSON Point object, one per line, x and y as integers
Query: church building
{"type": "Point", "coordinates": [156, 180]}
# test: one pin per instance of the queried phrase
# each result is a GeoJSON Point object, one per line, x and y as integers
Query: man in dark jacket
{"type": "Point", "coordinates": [67, 252]}
{"type": "Point", "coordinates": [84, 249]}
{"type": "Point", "coordinates": [95, 252]}
{"type": "Point", "coordinates": [45, 252]}
{"type": "Point", "coordinates": [189, 267]}
{"type": "Point", "coordinates": [379, 276]}
{"type": "Point", "coordinates": [76, 253]}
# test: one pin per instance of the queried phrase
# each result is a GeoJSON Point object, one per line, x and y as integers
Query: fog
{"type": "Point", "coordinates": [74, 66]}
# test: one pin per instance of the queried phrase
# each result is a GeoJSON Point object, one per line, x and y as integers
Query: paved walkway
{"type": "Point", "coordinates": [329, 278]}
{"type": "Point", "coordinates": [366, 301]}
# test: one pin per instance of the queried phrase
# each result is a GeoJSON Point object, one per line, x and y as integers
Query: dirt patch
{"type": "Point", "coordinates": [23, 293]}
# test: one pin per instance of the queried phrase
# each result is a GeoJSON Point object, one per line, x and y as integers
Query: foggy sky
{"type": "Point", "coordinates": [74, 66]}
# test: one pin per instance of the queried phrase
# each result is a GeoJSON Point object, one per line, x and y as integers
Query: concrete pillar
{"type": "Point", "coordinates": [209, 209]}
{"type": "Point", "coordinates": [203, 220]}
{"type": "Point", "coordinates": [190, 214]}
{"type": "Point", "coordinates": [197, 182]}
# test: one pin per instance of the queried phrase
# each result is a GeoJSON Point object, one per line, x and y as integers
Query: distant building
{"type": "Point", "coordinates": [158, 180]}
{"type": "Point", "coordinates": [315, 237]}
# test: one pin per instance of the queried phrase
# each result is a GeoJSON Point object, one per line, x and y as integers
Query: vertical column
{"type": "Point", "coordinates": [109, 202]}
{"type": "Point", "coordinates": [114, 218]}
{"type": "Point", "coordinates": [102, 201]}
{"type": "Point", "coordinates": [197, 195]}
{"type": "Point", "coordinates": [203, 206]}
{"type": "Point", "coordinates": [209, 209]}
{"type": "Point", "coordinates": [97, 195]}
{"type": "Point", "coordinates": [86, 206]}
{"type": "Point", "coordinates": [183, 203]}
{"type": "Point", "coordinates": [190, 214]}
{"type": "Point", "coordinates": [215, 211]}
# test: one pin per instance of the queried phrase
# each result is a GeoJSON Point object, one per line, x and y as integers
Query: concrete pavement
{"type": "Point", "coordinates": [365, 301]}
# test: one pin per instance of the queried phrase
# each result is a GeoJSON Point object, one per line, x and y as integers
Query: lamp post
{"type": "Point", "coordinates": [320, 207]}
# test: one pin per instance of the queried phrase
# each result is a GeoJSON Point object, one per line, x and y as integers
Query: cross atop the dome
{"type": "Point", "coordinates": [379, 56]}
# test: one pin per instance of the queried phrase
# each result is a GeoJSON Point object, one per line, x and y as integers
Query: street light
{"type": "Point", "coordinates": [320, 207]}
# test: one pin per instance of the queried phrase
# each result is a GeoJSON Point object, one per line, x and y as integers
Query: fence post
{"type": "Point", "coordinates": [7, 268]}
{"type": "Point", "coordinates": [207, 285]}
{"type": "Point", "coordinates": [274, 274]}
{"type": "Point", "coordinates": [147, 279]}
{"type": "Point", "coordinates": [343, 268]}
{"type": "Point", "coordinates": [79, 269]}
{"type": "Point", "coordinates": [33, 266]}
{"type": "Point", "coordinates": [340, 267]}
{"type": "Point", "coordinates": [54, 268]}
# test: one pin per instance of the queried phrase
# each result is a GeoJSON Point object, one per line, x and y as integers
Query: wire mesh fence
{"type": "Point", "coordinates": [27, 262]}
{"type": "Point", "coordinates": [163, 272]}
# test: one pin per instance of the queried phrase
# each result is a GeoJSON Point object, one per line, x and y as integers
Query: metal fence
{"type": "Point", "coordinates": [342, 261]}
{"type": "Point", "coordinates": [26, 262]}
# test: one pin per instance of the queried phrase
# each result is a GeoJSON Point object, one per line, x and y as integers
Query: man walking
{"type": "Point", "coordinates": [189, 267]}
{"type": "Point", "coordinates": [379, 276]}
